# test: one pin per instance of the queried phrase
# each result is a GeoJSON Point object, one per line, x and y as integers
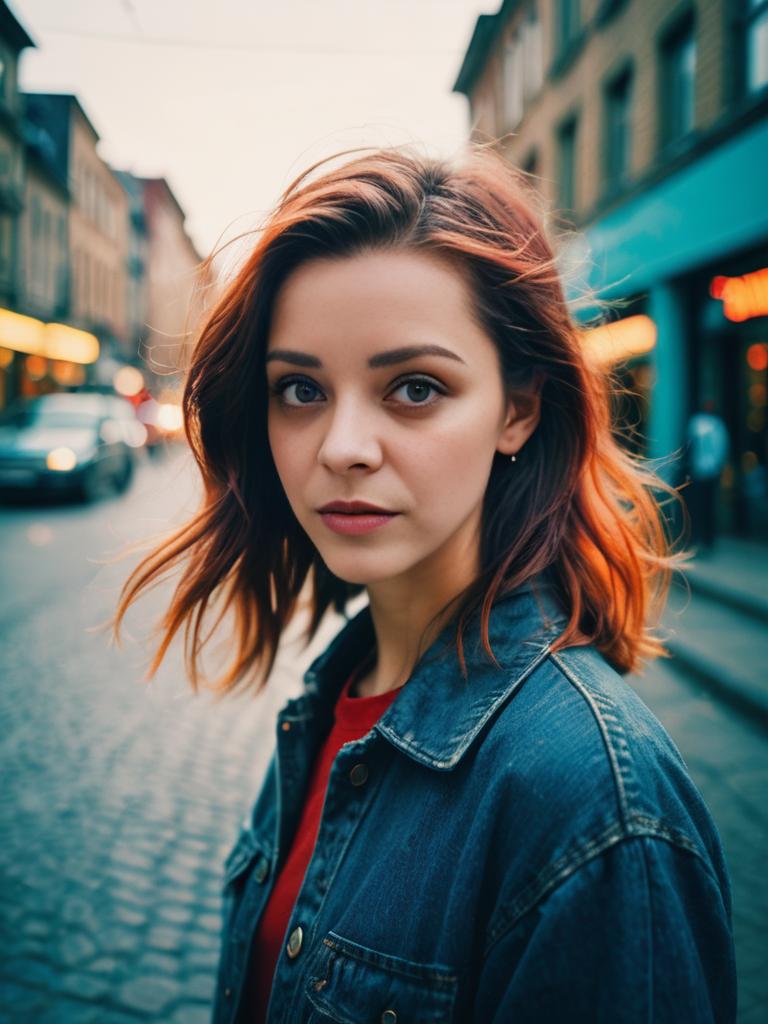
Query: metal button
{"type": "Point", "coordinates": [358, 775]}
{"type": "Point", "coordinates": [294, 943]}
{"type": "Point", "coordinates": [320, 984]}
{"type": "Point", "coordinates": [389, 1017]}
{"type": "Point", "coordinates": [285, 726]}
{"type": "Point", "coordinates": [261, 870]}
{"type": "Point", "coordinates": [227, 992]}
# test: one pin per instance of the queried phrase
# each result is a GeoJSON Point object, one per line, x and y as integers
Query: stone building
{"type": "Point", "coordinates": [98, 220]}
{"type": "Point", "coordinates": [645, 124]}
{"type": "Point", "coordinates": [13, 39]}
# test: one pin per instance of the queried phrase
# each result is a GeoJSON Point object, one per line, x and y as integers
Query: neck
{"type": "Point", "coordinates": [403, 608]}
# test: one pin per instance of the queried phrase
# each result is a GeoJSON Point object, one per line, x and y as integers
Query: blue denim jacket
{"type": "Point", "coordinates": [525, 845]}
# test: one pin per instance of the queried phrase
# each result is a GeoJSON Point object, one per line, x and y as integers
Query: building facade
{"type": "Point", "coordinates": [98, 219]}
{"type": "Point", "coordinates": [176, 282]}
{"type": "Point", "coordinates": [136, 281]}
{"type": "Point", "coordinates": [13, 39]}
{"type": "Point", "coordinates": [646, 127]}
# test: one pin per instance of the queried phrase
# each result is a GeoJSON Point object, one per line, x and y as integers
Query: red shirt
{"type": "Point", "coordinates": [353, 718]}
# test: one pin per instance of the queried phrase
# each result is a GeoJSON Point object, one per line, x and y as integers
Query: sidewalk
{"type": "Point", "coordinates": [719, 629]}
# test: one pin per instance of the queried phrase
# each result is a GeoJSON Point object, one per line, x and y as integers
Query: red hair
{"type": "Point", "coordinates": [579, 505]}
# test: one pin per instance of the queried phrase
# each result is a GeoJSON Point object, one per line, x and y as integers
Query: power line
{"type": "Point", "coordinates": [207, 44]}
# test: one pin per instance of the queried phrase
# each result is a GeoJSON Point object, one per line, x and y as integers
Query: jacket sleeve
{"type": "Point", "coordinates": [639, 934]}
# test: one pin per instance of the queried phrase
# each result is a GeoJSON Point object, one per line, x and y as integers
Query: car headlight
{"type": "Point", "coordinates": [62, 459]}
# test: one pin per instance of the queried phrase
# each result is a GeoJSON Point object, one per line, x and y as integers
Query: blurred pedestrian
{"type": "Point", "coordinates": [469, 815]}
{"type": "Point", "coordinates": [708, 446]}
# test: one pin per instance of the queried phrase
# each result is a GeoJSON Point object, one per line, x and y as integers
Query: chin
{"type": "Point", "coordinates": [356, 568]}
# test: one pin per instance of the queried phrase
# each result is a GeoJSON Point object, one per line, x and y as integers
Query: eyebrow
{"type": "Point", "coordinates": [394, 355]}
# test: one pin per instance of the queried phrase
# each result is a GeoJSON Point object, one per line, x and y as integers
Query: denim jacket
{"type": "Point", "coordinates": [524, 845]}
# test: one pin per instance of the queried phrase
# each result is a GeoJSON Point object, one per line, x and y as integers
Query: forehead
{"type": "Point", "coordinates": [384, 296]}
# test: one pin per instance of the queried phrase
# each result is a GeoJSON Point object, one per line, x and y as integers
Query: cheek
{"type": "Point", "coordinates": [286, 454]}
{"type": "Point", "coordinates": [448, 469]}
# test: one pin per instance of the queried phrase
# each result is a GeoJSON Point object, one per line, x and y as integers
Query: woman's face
{"type": "Point", "coordinates": [384, 390]}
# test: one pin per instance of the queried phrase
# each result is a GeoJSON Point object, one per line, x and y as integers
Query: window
{"type": "Point", "coordinates": [531, 163]}
{"type": "Point", "coordinates": [618, 129]}
{"type": "Point", "coordinates": [522, 67]}
{"type": "Point", "coordinates": [566, 148]}
{"type": "Point", "coordinates": [533, 76]}
{"type": "Point", "coordinates": [567, 24]}
{"type": "Point", "coordinates": [513, 80]}
{"type": "Point", "coordinates": [678, 82]}
{"type": "Point", "coordinates": [756, 45]}
{"type": "Point", "coordinates": [35, 216]}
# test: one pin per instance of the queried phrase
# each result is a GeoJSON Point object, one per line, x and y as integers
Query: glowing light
{"type": "Point", "coordinates": [67, 374]}
{"type": "Point", "coordinates": [39, 534]}
{"type": "Point", "coordinates": [52, 341]}
{"type": "Point", "coordinates": [62, 459]}
{"type": "Point", "coordinates": [20, 333]}
{"type": "Point", "coordinates": [622, 339]}
{"type": "Point", "coordinates": [169, 417]}
{"type": "Point", "coordinates": [36, 366]}
{"type": "Point", "coordinates": [743, 297]}
{"type": "Point", "coordinates": [757, 357]}
{"type": "Point", "coordinates": [63, 342]}
{"type": "Point", "coordinates": [128, 381]}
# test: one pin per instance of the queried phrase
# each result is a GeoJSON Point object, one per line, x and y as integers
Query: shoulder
{"type": "Point", "coordinates": [589, 764]}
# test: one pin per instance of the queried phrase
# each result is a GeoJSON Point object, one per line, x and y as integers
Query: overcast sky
{"type": "Point", "coordinates": [230, 99]}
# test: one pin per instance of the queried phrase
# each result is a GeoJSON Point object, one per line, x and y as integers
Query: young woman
{"type": "Point", "coordinates": [469, 815]}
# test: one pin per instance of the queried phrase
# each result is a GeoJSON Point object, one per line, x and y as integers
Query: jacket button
{"type": "Point", "coordinates": [228, 992]}
{"type": "Point", "coordinates": [358, 775]}
{"type": "Point", "coordinates": [262, 870]}
{"type": "Point", "coordinates": [294, 943]}
{"type": "Point", "coordinates": [389, 1017]}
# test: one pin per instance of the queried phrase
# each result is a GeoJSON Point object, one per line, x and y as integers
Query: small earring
{"type": "Point", "coordinates": [513, 458]}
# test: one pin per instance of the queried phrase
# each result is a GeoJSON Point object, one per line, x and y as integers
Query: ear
{"type": "Point", "coordinates": [521, 419]}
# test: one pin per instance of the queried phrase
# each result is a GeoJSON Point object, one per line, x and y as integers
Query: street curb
{"type": "Point", "coordinates": [740, 600]}
{"type": "Point", "coordinates": [721, 683]}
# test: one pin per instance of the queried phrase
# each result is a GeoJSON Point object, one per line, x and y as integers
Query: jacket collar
{"type": "Point", "coordinates": [438, 714]}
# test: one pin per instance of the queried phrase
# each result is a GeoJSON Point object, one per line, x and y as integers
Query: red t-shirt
{"type": "Point", "coordinates": [353, 718]}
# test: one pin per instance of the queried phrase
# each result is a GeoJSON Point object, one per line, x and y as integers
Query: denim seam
{"type": "Point", "coordinates": [441, 976]}
{"type": "Point", "coordinates": [557, 872]}
{"type": "Point", "coordinates": [603, 719]}
{"type": "Point", "coordinates": [649, 933]}
{"type": "Point", "coordinates": [412, 750]}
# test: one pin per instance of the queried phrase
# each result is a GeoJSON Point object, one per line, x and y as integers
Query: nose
{"type": "Point", "coordinates": [350, 440]}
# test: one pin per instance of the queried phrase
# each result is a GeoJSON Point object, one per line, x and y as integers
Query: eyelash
{"type": "Point", "coordinates": [280, 387]}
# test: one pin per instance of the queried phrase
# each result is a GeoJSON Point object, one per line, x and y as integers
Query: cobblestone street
{"type": "Point", "coordinates": [120, 800]}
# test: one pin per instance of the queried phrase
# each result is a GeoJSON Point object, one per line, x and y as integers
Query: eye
{"type": "Point", "coordinates": [305, 390]}
{"type": "Point", "coordinates": [417, 390]}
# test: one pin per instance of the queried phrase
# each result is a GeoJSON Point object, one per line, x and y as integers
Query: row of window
{"type": "Point", "coordinates": [523, 77]}
{"type": "Point", "coordinates": [93, 199]}
{"type": "Point", "coordinates": [96, 288]}
{"type": "Point", "coordinates": [677, 93]}
{"type": "Point", "coordinates": [47, 254]}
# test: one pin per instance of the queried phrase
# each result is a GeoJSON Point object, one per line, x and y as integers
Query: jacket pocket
{"type": "Point", "coordinates": [348, 983]}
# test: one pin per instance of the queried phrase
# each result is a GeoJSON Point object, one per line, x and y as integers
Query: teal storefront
{"type": "Point", "coordinates": [663, 250]}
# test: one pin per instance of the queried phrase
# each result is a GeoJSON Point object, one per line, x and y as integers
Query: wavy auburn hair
{"type": "Point", "coordinates": [578, 504]}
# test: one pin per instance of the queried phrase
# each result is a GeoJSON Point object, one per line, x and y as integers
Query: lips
{"type": "Point", "coordinates": [356, 523]}
{"type": "Point", "coordinates": [356, 508]}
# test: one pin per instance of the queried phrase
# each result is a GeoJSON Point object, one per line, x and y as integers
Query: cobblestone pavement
{"type": "Point", "coordinates": [728, 759]}
{"type": "Point", "coordinates": [120, 800]}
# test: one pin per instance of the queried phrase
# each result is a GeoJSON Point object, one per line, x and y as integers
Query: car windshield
{"type": "Point", "coordinates": [39, 416]}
